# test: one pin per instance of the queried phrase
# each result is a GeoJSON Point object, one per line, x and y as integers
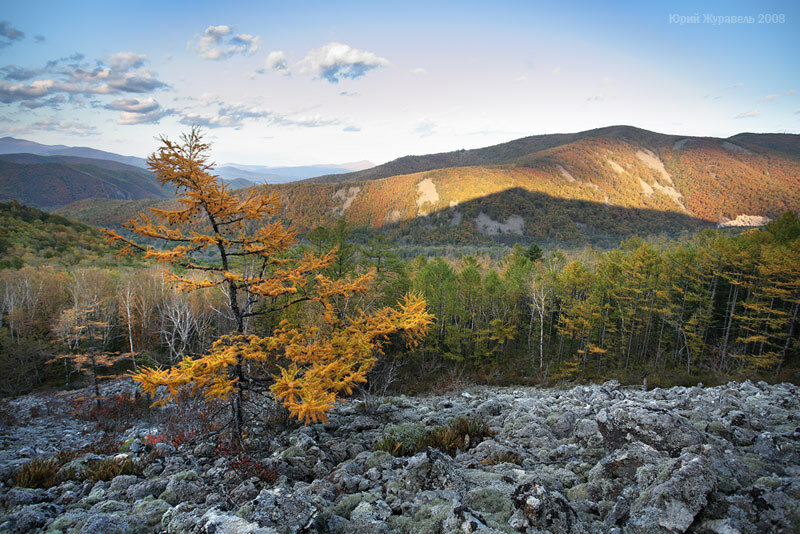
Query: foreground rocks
{"type": "Point", "coordinates": [597, 458]}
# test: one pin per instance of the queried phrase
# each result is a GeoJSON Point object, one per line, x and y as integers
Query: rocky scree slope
{"type": "Point", "coordinates": [597, 458]}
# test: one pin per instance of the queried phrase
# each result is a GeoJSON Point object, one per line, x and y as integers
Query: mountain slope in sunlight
{"type": "Point", "coordinates": [587, 187]}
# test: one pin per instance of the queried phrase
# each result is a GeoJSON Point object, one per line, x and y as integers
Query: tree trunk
{"type": "Point", "coordinates": [724, 350]}
{"type": "Point", "coordinates": [789, 336]}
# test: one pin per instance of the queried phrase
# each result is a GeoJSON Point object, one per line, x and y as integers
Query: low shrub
{"type": "Point", "coordinates": [46, 472]}
{"type": "Point", "coordinates": [248, 468]}
{"type": "Point", "coordinates": [505, 457]}
{"type": "Point", "coordinates": [111, 413]}
{"type": "Point", "coordinates": [401, 440]}
{"type": "Point", "coordinates": [39, 473]}
{"type": "Point", "coordinates": [109, 468]}
{"type": "Point", "coordinates": [460, 434]}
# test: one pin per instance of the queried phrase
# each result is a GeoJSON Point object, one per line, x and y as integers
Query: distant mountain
{"type": "Point", "coordinates": [48, 182]}
{"type": "Point", "coordinates": [10, 145]}
{"type": "Point", "coordinates": [237, 174]}
{"type": "Point", "coordinates": [508, 153]}
{"type": "Point", "coordinates": [596, 186]}
{"type": "Point", "coordinates": [258, 174]}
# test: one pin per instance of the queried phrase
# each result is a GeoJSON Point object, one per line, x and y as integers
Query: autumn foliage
{"type": "Point", "coordinates": [227, 238]}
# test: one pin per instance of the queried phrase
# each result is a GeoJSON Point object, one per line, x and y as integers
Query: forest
{"type": "Point", "coordinates": [708, 308]}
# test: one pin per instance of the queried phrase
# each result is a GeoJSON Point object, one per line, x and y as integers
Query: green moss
{"type": "Point", "coordinates": [348, 503]}
{"type": "Point", "coordinates": [151, 509]}
{"type": "Point", "coordinates": [579, 492]}
{"type": "Point", "coordinates": [770, 482]}
{"type": "Point", "coordinates": [293, 452]}
{"type": "Point", "coordinates": [378, 458]}
{"type": "Point", "coordinates": [245, 510]}
{"type": "Point", "coordinates": [169, 496]}
{"type": "Point", "coordinates": [490, 500]}
{"type": "Point", "coordinates": [185, 475]}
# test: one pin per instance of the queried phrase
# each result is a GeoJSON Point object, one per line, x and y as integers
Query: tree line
{"type": "Point", "coordinates": [715, 305]}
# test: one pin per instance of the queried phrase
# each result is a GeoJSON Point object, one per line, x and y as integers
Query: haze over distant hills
{"type": "Point", "coordinates": [237, 174]}
{"type": "Point", "coordinates": [595, 186]}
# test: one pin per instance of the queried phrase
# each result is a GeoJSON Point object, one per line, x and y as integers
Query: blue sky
{"type": "Point", "coordinates": [330, 82]}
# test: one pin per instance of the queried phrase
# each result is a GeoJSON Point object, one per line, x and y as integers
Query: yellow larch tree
{"type": "Point", "coordinates": [251, 261]}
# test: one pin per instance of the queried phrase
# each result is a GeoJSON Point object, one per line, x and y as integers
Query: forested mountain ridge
{"type": "Point", "coordinates": [573, 188]}
{"type": "Point", "coordinates": [510, 151]}
{"type": "Point", "coordinates": [48, 182]}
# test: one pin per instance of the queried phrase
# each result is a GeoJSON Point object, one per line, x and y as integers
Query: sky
{"type": "Point", "coordinates": [294, 83]}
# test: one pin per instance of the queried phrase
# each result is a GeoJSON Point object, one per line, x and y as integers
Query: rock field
{"type": "Point", "coordinates": [597, 458]}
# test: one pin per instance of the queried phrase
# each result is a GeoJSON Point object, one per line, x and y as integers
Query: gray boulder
{"type": "Point", "coordinates": [537, 509]}
{"type": "Point", "coordinates": [661, 429]}
{"type": "Point", "coordinates": [674, 499]}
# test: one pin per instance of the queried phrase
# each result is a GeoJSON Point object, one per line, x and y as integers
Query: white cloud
{"type": "Point", "coordinates": [123, 61]}
{"type": "Point", "coordinates": [336, 61]}
{"type": "Point", "coordinates": [138, 111]}
{"type": "Point", "coordinates": [418, 71]}
{"type": "Point", "coordinates": [235, 115]}
{"type": "Point", "coordinates": [151, 117]}
{"type": "Point", "coordinates": [425, 128]}
{"type": "Point", "coordinates": [776, 96]}
{"type": "Point", "coordinates": [219, 42]}
{"type": "Point", "coordinates": [119, 73]}
{"type": "Point", "coordinates": [748, 114]}
{"type": "Point", "coordinates": [133, 105]}
{"type": "Point", "coordinates": [276, 61]}
{"type": "Point", "coordinates": [68, 127]}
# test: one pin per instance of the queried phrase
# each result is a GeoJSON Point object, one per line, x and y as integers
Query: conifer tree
{"type": "Point", "coordinates": [252, 262]}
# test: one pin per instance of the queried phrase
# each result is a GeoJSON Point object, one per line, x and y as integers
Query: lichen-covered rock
{"type": "Point", "coordinates": [538, 509]}
{"type": "Point", "coordinates": [593, 458]}
{"type": "Point", "coordinates": [107, 524]}
{"type": "Point", "coordinates": [184, 486]}
{"type": "Point", "coordinates": [675, 497]}
{"type": "Point", "coordinates": [150, 510]}
{"type": "Point", "coordinates": [661, 429]}
{"type": "Point", "coordinates": [283, 510]}
{"type": "Point", "coordinates": [30, 518]}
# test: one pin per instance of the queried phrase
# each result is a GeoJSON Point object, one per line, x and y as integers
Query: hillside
{"type": "Point", "coordinates": [491, 155]}
{"type": "Point", "coordinates": [592, 186]}
{"type": "Point", "coordinates": [32, 237]}
{"type": "Point", "coordinates": [48, 182]}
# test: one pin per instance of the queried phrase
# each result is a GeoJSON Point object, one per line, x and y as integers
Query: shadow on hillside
{"type": "Point", "coordinates": [518, 215]}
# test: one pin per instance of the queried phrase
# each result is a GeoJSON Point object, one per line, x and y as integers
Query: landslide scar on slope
{"type": "Point", "coordinates": [515, 224]}
{"type": "Point", "coordinates": [427, 193]}
{"type": "Point", "coordinates": [347, 195]}
{"type": "Point", "coordinates": [655, 163]}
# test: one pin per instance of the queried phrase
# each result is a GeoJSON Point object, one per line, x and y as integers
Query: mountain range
{"type": "Point", "coordinates": [595, 186]}
{"type": "Point", "coordinates": [238, 175]}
